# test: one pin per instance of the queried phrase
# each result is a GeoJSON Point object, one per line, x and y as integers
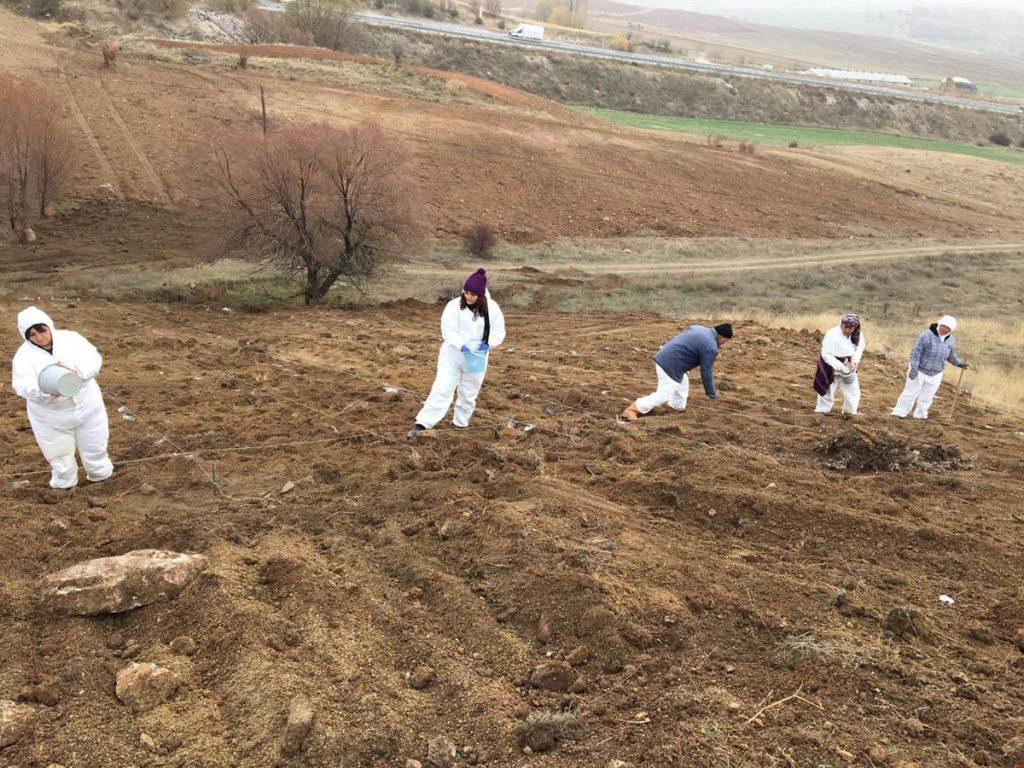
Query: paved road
{"type": "Point", "coordinates": [455, 30]}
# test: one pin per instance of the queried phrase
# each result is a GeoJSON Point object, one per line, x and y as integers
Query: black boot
{"type": "Point", "coordinates": [417, 428]}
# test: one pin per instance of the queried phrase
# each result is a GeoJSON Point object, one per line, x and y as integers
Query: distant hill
{"type": "Point", "coordinates": [746, 42]}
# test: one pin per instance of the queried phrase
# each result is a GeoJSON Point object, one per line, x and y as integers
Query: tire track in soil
{"type": "Point", "coordinates": [156, 184]}
{"type": "Point", "coordinates": [106, 169]}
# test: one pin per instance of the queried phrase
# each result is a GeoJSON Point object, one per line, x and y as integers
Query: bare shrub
{"type": "Point", "coordinates": [151, 9]}
{"type": "Point", "coordinates": [480, 239]}
{"type": "Point", "coordinates": [716, 142]}
{"type": "Point", "coordinates": [325, 21]}
{"type": "Point", "coordinates": [794, 144]}
{"type": "Point", "coordinates": [35, 154]}
{"type": "Point", "coordinates": [267, 27]}
{"type": "Point", "coordinates": [748, 148]}
{"type": "Point", "coordinates": [621, 43]}
{"type": "Point", "coordinates": [492, 8]}
{"type": "Point", "coordinates": [999, 138]}
{"type": "Point", "coordinates": [109, 55]}
{"type": "Point", "coordinates": [243, 61]}
{"type": "Point", "coordinates": [318, 201]}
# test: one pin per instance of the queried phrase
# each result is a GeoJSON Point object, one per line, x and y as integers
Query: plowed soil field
{"type": "Point", "coordinates": [742, 584]}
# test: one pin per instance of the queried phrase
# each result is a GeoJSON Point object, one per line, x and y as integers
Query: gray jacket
{"type": "Point", "coordinates": [931, 352]}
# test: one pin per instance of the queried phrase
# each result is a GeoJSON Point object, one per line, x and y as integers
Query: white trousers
{"type": "Point", "coordinates": [922, 389]}
{"type": "Point", "coordinates": [851, 396]}
{"type": "Point", "coordinates": [60, 431]}
{"type": "Point", "coordinates": [451, 377]}
{"type": "Point", "coordinates": [671, 392]}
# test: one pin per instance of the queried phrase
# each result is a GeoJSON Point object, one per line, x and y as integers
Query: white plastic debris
{"type": "Point", "coordinates": [946, 600]}
{"type": "Point", "coordinates": [125, 414]}
{"type": "Point", "coordinates": [529, 428]}
{"type": "Point", "coordinates": [390, 390]}
{"type": "Point", "coordinates": [225, 309]}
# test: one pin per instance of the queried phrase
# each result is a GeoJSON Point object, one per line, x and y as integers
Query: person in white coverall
{"type": "Point", "coordinates": [470, 324]}
{"type": "Point", "coordinates": [62, 424]}
{"type": "Point", "coordinates": [841, 351]}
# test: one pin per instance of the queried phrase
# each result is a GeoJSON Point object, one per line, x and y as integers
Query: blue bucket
{"type": "Point", "coordinates": [476, 362]}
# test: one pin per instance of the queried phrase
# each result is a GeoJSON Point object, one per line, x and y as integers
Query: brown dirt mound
{"type": "Point", "coordinates": [883, 452]}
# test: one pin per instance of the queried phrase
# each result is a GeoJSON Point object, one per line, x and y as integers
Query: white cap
{"type": "Point", "coordinates": [949, 321]}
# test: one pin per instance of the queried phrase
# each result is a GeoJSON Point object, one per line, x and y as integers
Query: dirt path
{"type": "Point", "coordinates": [698, 266]}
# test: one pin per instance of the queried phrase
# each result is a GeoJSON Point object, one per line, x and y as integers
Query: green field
{"type": "Point", "coordinates": [769, 135]}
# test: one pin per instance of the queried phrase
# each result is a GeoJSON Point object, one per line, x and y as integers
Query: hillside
{"type": "Point", "coordinates": [726, 593]}
{"type": "Point", "coordinates": [788, 46]}
{"type": "Point", "coordinates": [478, 151]}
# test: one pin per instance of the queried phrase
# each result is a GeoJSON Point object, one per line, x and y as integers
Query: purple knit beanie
{"type": "Point", "coordinates": [477, 282]}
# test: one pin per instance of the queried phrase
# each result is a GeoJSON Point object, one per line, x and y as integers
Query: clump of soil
{"type": "Point", "coordinates": [862, 452]}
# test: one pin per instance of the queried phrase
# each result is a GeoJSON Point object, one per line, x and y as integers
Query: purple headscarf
{"type": "Point", "coordinates": [852, 321]}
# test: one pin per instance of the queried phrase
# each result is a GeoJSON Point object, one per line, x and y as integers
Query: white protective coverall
{"type": "Point", "coordinates": [834, 346]}
{"type": "Point", "coordinates": [459, 328]}
{"type": "Point", "coordinates": [61, 424]}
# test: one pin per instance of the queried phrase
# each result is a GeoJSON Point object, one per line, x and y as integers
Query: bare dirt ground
{"type": "Point", "coordinates": [696, 568]}
{"type": "Point", "coordinates": [144, 130]}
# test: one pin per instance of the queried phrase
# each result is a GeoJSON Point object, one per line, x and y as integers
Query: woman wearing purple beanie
{"type": "Point", "coordinates": [471, 325]}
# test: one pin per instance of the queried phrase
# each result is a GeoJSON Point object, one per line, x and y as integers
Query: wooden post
{"type": "Point", "coordinates": [263, 108]}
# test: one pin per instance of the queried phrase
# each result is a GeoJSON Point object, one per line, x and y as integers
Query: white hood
{"type": "Point", "coordinates": [949, 321]}
{"type": "Point", "coordinates": [33, 316]}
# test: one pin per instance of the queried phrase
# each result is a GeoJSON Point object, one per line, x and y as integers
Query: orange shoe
{"type": "Point", "coordinates": [631, 413]}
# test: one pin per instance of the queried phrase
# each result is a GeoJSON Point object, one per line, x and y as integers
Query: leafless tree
{"type": "Point", "coordinates": [35, 153]}
{"type": "Point", "coordinates": [480, 239]}
{"type": "Point", "coordinates": [318, 201]}
{"type": "Point", "coordinates": [492, 8]}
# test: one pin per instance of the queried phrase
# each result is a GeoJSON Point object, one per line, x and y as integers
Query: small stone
{"type": "Point", "coordinates": [46, 692]}
{"type": "Point", "coordinates": [57, 526]}
{"type": "Point", "coordinates": [288, 487]}
{"type": "Point", "coordinates": [147, 490]}
{"type": "Point", "coordinates": [93, 503]}
{"type": "Point", "coordinates": [618, 764]}
{"type": "Point", "coordinates": [142, 687]}
{"type": "Point", "coordinates": [544, 627]}
{"type": "Point", "coordinates": [17, 485]}
{"type": "Point", "coordinates": [183, 645]}
{"type": "Point", "coordinates": [441, 752]}
{"type": "Point", "coordinates": [421, 677]}
{"type": "Point", "coordinates": [879, 756]}
{"type": "Point", "coordinates": [450, 529]}
{"type": "Point", "coordinates": [1018, 639]}
{"type": "Point", "coordinates": [15, 722]}
{"type": "Point", "coordinates": [552, 676]}
{"type": "Point", "coordinates": [538, 739]}
{"type": "Point", "coordinates": [578, 655]}
{"type": "Point", "coordinates": [410, 763]}
{"type": "Point", "coordinates": [300, 722]}
{"type": "Point", "coordinates": [712, 512]}
{"type": "Point", "coordinates": [579, 685]}
{"type": "Point", "coordinates": [845, 755]}
{"type": "Point", "coordinates": [913, 726]}
{"type": "Point", "coordinates": [905, 623]}
{"type": "Point", "coordinates": [148, 742]}
{"type": "Point", "coordinates": [411, 529]}
{"type": "Point", "coordinates": [121, 583]}
{"type": "Point", "coordinates": [172, 742]}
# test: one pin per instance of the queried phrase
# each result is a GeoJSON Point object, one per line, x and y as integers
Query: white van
{"type": "Point", "coordinates": [528, 32]}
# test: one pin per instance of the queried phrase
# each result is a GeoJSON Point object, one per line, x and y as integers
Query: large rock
{"type": "Point", "coordinates": [144, 686]}
{"type": "Point", "coordinates": [116, 584]}
{"type": "Point", "coordinates": [15, 722]}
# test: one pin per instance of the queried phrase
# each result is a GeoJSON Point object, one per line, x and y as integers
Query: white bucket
{"type": "Point", "coordinates": [55, 380]}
